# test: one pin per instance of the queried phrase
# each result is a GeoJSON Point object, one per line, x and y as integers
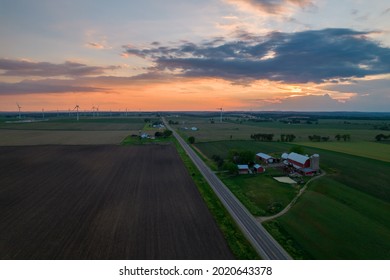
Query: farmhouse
{"type": "Point", "coordinates": [243, 169]}
{"type": "Point", "coordinates": [265, 158]}
{"type": "Point", "coordinates": [258, 168]}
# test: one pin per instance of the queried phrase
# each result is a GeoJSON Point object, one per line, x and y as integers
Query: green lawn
{"type": "Point", "coordinates": [261, 194]}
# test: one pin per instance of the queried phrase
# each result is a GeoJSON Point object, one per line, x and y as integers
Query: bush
{"type": "Point", "coordinates": [167, 133]}
{"type": "Point", "coordinates": [231, 167]}
{"type": "Point", "coordinates": [191, 139]}
{"type": "Point", "coordinates": [297, 149]}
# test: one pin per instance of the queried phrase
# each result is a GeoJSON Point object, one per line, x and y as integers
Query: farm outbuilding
{"type": "Point", "coordinates": [298, 161]}
{"type": "Point", "coordinates": [258, 168]}
{"type": "Point", "coordinates": [307, 171]}
{"type": "Point", "coordinates": [264, 158]}
{"type": "Point", "coordinates": [284, 156]}
{"type": "Point", "coordinates": [243, 169]}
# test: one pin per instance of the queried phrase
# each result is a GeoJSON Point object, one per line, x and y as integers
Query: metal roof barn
{"type": "Point", "coordinates": [298, 161]}
{"type": "Point", "coordinates": [265, 157]}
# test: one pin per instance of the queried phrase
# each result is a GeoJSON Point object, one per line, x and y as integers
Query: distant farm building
{"type": "Point", "coordinates": [243, 169]}
{"type": "Point", "coordinates": [265, 158]}
{"type": "Point", "coordinates": [257, 168]}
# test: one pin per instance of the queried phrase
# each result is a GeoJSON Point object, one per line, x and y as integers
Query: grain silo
{"type": "Point", "coordinates": [315, 162]}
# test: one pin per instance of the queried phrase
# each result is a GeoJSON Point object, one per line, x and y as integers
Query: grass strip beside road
{"type": "Point", "coordinates": [237, 242]}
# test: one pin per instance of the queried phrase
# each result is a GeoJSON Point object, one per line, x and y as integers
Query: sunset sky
{"type": "Point", "coordinates": [149, 55]}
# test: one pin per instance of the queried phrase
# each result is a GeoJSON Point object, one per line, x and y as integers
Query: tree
{"type": "Point", "coordinates": [231, 168]}
{"type": "Point", "coordinates": [218, 160]}
{"type": "Point", "coordinates": [262, 137]}
{"type": "Point", "coordinates": [346, 137]}
{"type": "Point", "coordinates": [338, 137]}
{"type": "Point", "coordinates": [191, 139]}
{"type": "Point", "coordinates": [240, 156]}
{"type": "Point", "coordinates": [290, 137]}
{"type": "Point", "coordinates": [246, 156]}
{"type": "Point", "coordinates": [381, 137]}
{"type": "Point", "coordinates": [297, 149]}
{"type": "Point", "coordinates": [167, 133]}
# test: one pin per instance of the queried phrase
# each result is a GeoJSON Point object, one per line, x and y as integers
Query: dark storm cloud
{"type": "Point", "coordinates": [23, 68]}
{"type": "Point", "coordinates": [308, 56]}
{"type": "Point", "coordinates": [44, 86]}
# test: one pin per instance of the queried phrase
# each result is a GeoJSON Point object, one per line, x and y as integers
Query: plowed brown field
{"type": "Point", "coordinates": [102, 202]}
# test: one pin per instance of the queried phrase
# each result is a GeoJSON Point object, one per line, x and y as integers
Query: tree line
{"type": "Point", "coordinates": [381, 137]}
{"type": "Point", "coordinates": [338, 137]}
{"type": "Point", "coordinates": [265, 137]}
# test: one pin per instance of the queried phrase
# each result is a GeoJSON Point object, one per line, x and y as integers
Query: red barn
{"type": "Point", "coordinates": [258, 168]}
{"type": "Point", "coordinates": [307, 171]}
{"type": "Point", "coordinates": [298, 161]}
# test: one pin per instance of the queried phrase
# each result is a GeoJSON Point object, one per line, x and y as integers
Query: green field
{"type": "Point", "coordinates": [373, 150]}
{"type": "Point", "coordinates": [341, 216]}
{"type": "Point", "coordinates": [334, 221]}
{"type": "Point", "coordinates": [241, 129]}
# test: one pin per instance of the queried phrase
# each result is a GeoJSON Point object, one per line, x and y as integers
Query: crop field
{"type": "Point", "coordinates": [93, 131]}
{"type": "Point", "coordinates": [373, 150]}
{"type": "Point", "coordinates": [102, 202]}
{"type": "Point", "coordinates": [90, 124]}
{"type": "Point", "coordinates": [241, 129]}
{"type": "Point", "coordinates": [333, 221]}
{"type": "Point", "coordinates": [44, 137]}
{"type": "Point", "coordinates": [343, 215]}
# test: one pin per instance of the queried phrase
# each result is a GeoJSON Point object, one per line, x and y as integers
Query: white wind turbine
{"type": "Point", "coordinates": [77, 107]}
{"type": "Point", "coordinates": [17, 104]}
{"type": "Point", "coordinates": [221, 109]}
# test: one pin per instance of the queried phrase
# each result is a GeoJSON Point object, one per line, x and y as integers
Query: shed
{"type": "Point", "coordinates": [258, 168]}
{"type": "Point", "coordinates": [307, 171]}
{"type": "Point", "coordinates": [284, 156]}
{"type": "Point", "coordinates": [265, 158]}
{"type": "Point", "coordinates": [243, 169]}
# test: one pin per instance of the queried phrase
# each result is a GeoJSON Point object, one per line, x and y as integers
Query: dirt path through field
{"type": "Point", "coordinates": [288, 207]}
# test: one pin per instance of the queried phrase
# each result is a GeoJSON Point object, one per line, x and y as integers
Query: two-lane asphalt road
{"type": "Point", "coordinates": [262, 241]}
